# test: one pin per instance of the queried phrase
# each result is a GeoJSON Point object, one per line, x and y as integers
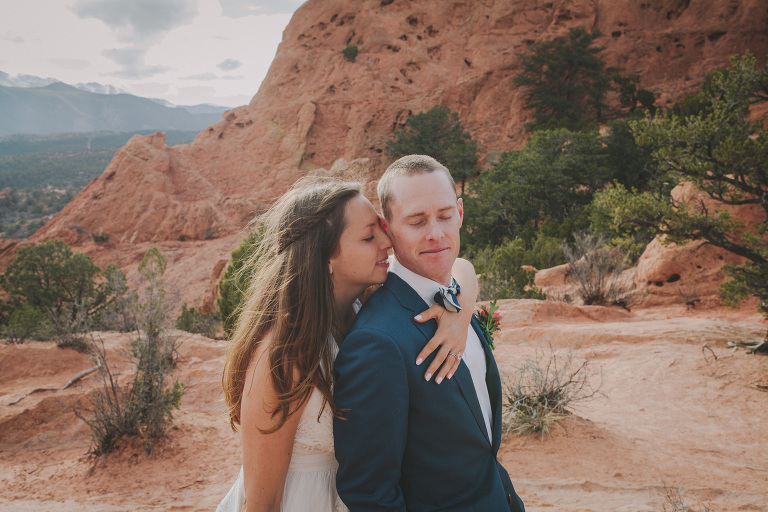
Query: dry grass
{"type": "Point", "coordinates": [540, 392]}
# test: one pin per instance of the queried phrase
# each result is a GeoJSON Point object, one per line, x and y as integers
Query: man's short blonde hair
{"type": "Point", "coordinates": [410, 165]}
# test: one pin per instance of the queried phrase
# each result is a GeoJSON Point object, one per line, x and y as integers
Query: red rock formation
{"type": "Point", "coordinates": [673, 274]}
{"type": "Point", "coordinates": [315, 107]}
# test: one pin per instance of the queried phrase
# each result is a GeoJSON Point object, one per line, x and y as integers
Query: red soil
{"type": "Point", "coordinates": [670, 414]}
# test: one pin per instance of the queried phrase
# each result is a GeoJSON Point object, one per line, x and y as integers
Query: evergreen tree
{"type": "Point", "coordinates": [51, 279]}
{"type": "Point", "coordinates": [438, 133]}
{"type": "Point", "coordinates": [545, 185]}
{"type": "Point", "coordinates": [725, 155]}
{"type": "Point", "coordinates": [565, 79]}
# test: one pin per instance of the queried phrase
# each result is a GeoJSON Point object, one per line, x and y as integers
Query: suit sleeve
{"type": "Point", "coordinates": [371, 390]}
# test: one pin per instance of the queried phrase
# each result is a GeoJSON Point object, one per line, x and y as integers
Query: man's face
{"type": "Point", "coordinates": [424, 223]}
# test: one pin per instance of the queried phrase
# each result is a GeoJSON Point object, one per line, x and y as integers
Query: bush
{"type": "Point", "coordinates": [548, 184]}
{"type": "Point", "coordinates": [120, 313]}
{"type": "Point", "coordinates": [236, 280]}
{"type": "Point", "coordinates": [350, 53]}
{"type": "Point", "coordinates": [541, 391]}
{"type": "Point", "coordinates": [117, 411]}
{"type": "Point", "coordinates": [26, 322]}
{"type": "Point", "coordinates": [78, 343]}
{"type": "Point", "coordinates": [100, 237]}
{"type": "Point", "coordinates": [58, 282]}
{"type": "Point", "coordinates": [144, 406]}
{"type": "Point", "coordinates": [596, 271]}
{"type": "Point", "coordinates": [193, 321]}
{"type": "Point", "coordinates": [503, 274]}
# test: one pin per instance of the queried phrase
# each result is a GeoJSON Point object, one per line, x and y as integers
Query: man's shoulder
{"type": "Point", "coordinates": [388, 308]}
{"type": "Point", "coordinates": [381, 304]}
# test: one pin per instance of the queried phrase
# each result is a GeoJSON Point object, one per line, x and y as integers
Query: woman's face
{"type": "Point", "coordinates": [361, 259]}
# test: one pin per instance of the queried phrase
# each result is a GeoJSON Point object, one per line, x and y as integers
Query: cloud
{"type": "Point", "coordinates": [229, 65]}
{"type": "Point", "coordinates": [131, 62]}
{"type": "Point", "coordinates": [12, 37]}
{"type": "Point", "coordinates": [137, 20]}
{"type": "Point", "coordinates": [201, 77]}
{"type": "Point", "coordinates": [240, 8]}
{"type": "Point", "coordinates": [72, 63]}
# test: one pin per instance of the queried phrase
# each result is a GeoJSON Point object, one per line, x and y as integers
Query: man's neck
{"type": "Point", "coordinates": [424, 286]}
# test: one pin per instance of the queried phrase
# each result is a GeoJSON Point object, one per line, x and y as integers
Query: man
{"type": "Point", "coordinates": [405, 443]}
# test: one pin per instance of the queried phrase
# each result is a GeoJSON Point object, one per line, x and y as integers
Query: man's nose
{"type": "Point", "coordinates": [434, 231]}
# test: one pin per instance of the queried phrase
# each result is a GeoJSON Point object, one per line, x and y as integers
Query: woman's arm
{"type": "Point", "coordinates": [451, 335]}
{"type": "Point", "coordinates": [266, 457]}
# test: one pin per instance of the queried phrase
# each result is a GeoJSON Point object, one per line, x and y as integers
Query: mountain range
{"type": "Point", "coordinates": [33, 105]}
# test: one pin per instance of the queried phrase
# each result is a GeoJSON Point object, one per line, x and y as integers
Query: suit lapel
{"type": "Point", "coordinates": [409, 299]}
{"type": "Point", "coordinates": [493, 382]}
{"type": "Point", "coordinates": [467, 387]}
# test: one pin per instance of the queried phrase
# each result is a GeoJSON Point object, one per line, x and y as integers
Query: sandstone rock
{"type": "Point", "coordinates": [668, 273]}
{"type": "Point", "coordinates": [315, 107]}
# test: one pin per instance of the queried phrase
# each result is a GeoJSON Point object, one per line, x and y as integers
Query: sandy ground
{"type": "Point", "coordinates": [670, 415]}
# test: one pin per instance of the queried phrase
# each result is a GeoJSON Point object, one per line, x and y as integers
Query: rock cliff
{"type": "Point", "coordinates": [315, 106]}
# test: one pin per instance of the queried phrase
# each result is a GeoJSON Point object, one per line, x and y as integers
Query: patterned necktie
{"type": "Point", "coordinates": [446, 297]}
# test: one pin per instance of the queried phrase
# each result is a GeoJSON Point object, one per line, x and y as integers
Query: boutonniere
{"type": "Point", "coordinates": [490, 321]}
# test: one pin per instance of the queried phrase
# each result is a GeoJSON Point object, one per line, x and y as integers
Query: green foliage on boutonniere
{"type": "Point", "coordinates": [490, 321]}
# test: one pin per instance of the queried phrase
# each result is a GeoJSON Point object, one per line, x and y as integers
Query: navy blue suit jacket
{"type": "Point", "coordinates": [405, 443]}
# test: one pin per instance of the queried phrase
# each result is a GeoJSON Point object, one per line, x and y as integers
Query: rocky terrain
{"type": "Point", "coordinates": [315, 107]}
{"type": "Point", "coordinates": [677, 409]}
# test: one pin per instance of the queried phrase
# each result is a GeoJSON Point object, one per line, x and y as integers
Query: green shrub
{"type": "Point", "coordinates": [144, 406]}
{"type": "Point", "coordinates": [350, 53]}
{"type": "Point", "coordinates": [100, 237]}
{"type": "Point", "coordinates": [502, 272]}
{"type": "Point", "coordinates": [53, 279]}
{"type": "Point", "coordinates": [120, 313]}
{"type": "Point", "coordinates": [25, 323]}
{"type": "Point", "coordinates": [547, 183]}
{"type": "Point", "coordinates": [236, 280]}
{"type": "Point", "coordinates": [193, 321]}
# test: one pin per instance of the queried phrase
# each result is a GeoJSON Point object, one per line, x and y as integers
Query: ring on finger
{"type": "Point", "coordinates": [454, 355]}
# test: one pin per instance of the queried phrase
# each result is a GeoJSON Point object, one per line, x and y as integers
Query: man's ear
{"type": "Point", "coordinates": [460, 206]}
{"type": "Point", "coordinates": [382, 223]}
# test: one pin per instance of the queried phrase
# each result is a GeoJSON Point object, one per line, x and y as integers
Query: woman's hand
{"type": "Point", "coordinates": [450, 338]}
{"type": "Point", "coordinates": [451, 335]}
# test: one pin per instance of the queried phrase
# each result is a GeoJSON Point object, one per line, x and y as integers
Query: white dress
{"type": "Point", "coordinates": [310, 485]}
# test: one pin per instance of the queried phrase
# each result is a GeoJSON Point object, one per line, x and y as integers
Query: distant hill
{"type": "Point", "coordinates": [39, 174]}
{"type": "Point", "coordinates": [66, 160]}
{"type": "Point", "coordinates": [61, 108]}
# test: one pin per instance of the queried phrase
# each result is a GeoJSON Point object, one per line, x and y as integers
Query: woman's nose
{"type": "Point", "coordinates": [385, 242]}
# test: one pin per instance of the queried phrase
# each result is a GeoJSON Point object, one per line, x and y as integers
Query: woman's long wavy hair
{"type": "Point", "coordinates": [291, 297]}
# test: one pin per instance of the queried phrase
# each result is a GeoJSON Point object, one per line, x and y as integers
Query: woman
{"type": "Point", "coordinates": [322, 247]}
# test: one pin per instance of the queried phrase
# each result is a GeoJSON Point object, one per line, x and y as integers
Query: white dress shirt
{"type": "Point", "coordinates": [474, 355]}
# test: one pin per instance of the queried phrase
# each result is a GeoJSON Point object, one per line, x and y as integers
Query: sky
{"type": "Point", "coordinates": [186, 52]}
